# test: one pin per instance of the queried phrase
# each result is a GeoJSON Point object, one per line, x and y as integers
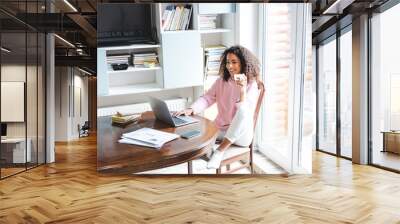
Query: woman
{"type": "Point", "coordinates": [236, 97]}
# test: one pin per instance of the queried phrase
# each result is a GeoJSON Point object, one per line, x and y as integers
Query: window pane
{"type": "Point", "coordinates": [31, 100]}
{"type": "Point", "coordinates": [346, 94]}
{"type": "Point", "coordinates": [13, 82]}
{"type": "Point", "coordinates": [386, 89]}
{"type": "Point", "coordinates": [275, 133]}
{"type": "Point", "coordinates": [308, 128]}
{"type": "Point", "coordinates": [327, 97]}
{"type": "Point", "coordinates": [41, 99]}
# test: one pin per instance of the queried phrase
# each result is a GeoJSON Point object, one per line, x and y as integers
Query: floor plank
{"type": "Point", "coordinates": [71, 191]}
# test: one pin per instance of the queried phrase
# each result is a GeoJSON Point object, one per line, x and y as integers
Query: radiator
{"type": "Point", "coordinates": [173, 105]}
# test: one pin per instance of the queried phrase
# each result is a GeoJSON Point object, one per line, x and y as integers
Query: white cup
{"type": "Point", "coordinates": [239, 77]}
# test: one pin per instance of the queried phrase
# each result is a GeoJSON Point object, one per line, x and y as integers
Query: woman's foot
{"type": "Point", "coordinates": [215, 160]}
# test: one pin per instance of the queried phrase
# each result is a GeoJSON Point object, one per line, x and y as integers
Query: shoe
{"type": "Point", "coordinates": [215, 160]}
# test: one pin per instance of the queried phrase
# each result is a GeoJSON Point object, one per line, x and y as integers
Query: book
{"type": "Point", "coordinates": [190, 8]}
{"type": "Point", "coordinates": [176, 17]}
{"type": "Point", "coordinates": [179, 21]}
{"type": "Point", "coordinates": [174, 20]}
{"type": "Point", "coordinates": [165, 16]}
{"type": "Point", "coordinates": [119, 118]}
{"type": "Point", "coordinates": [148, 137]}
{"type": "Point", "coordinates": [169, 9]}
{"type": "Point", "coordinates": [168, 26]}
{"type": "Point", "coordinates": [207, 22]}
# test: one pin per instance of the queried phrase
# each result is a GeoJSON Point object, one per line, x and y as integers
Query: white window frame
{"type": "Point", "coordinates": [293, 162]}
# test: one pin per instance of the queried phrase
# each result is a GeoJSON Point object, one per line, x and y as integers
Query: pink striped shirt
{"type": "Point", "coordinates": [227, 97]}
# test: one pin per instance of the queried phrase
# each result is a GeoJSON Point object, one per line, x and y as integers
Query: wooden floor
{"type": "Point", "coordinates": [70, 191]}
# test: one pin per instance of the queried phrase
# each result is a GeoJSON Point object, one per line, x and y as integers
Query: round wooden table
{"type": "Point", "coordinates": [115, 157]}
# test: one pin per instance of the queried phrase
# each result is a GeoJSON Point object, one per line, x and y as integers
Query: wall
{"type": "Point", "coordinates": [79, 104]}
{"type": "Point", "coordinates": [61, 104]}
{"type": "Point", "coordinates": [17, 73]}
{"type": "Point", "coordinates": [71, 102]}
{"type": "Point", "coordinates": [248, 26]}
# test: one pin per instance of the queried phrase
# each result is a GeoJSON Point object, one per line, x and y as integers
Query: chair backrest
{"type": "Point", "coordinates": [86, 125]}
{"type": "Point", "coordinates": [261, 88]}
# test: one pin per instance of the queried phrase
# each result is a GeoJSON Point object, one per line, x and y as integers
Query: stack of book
{"type": "Point", "coordinates": [207, 22]}
{"type": "Point", "coordinates": [176, 17]}
{"type": "Point", "coordinates": [121, 119]}
{"type": "Point", "coordinates": [213, 59]}
{"type": "Point", "coordinates": [148, 137]}
{"type": "Point", "coordinates": [118, 60]}
{"type": "Point", "coordinates": [145, 60]}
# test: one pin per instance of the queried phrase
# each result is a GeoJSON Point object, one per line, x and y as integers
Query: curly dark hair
{"type": "Point", "coordinates": [249, 63]}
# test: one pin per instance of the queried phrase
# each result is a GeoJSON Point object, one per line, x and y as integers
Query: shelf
{"type": "Point", "coordinates": [132, 89]}
{"type": "Point", "coordinates": [135, 46]}
{"type": "Point", "coordinates": [133, 69]}
{"type": "Point", "coordinates": [219, 30]}
{"type": "Point", "coordinates": [178, 31]}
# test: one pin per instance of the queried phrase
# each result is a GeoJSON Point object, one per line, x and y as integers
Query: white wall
{"type": "Point", "coordinates": [247, 20]}
{"type": "Point", "coordinates": [33, 126]}
{"type": "Point", "coordinates": [17, 73]}
{"type": "Point", "coordinates": [61, 104]}
{"type": "Point", "coordinates": [69, 82]}
{"type": "Point", "coordinates": [80, 109]}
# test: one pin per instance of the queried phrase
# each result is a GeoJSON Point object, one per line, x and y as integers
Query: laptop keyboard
{"type": "Point", "coordinates": [178, 121]}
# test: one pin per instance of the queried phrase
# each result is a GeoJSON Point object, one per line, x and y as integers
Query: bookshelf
{"type": "Point", "coordinates": [132, 47]}
{"type": "Point", "coordinates": [132, 69]}
{"type": "Point", "coordinates": [134, 88]}
{"type": "Point", "coordinates": [180, 54]}
{"type": "Point", "coordinates": [217, 30]}
{"type": "Point", "coordinates": [133, 79]}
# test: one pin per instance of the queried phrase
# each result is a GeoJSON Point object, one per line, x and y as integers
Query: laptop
{"type": "Point", "coordinates": [163, 114]}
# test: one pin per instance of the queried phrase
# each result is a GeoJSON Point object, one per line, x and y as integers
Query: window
{"type": "Point", "coordinates": [286, 53]}
{"type": "Point", "coordinates": [385, 89]}
{"type": "Point", "coordinates": [346, 93]}
{"type": "Point", "coordinates": [22, 65]}
{"type": "Point", "coordinates": [327, 96]}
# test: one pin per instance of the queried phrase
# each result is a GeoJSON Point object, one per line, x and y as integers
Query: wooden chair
{"type": "Point", "coordinates": [238, 153]}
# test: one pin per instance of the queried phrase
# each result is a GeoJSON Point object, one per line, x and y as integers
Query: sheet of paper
{"type": "Point", "coordinates": [135, 142]}
{"type": "Point", "coordinates": [149, 137]}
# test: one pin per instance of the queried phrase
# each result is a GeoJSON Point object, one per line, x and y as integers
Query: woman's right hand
{"type": "Point", "coordinates": [186, 112]}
